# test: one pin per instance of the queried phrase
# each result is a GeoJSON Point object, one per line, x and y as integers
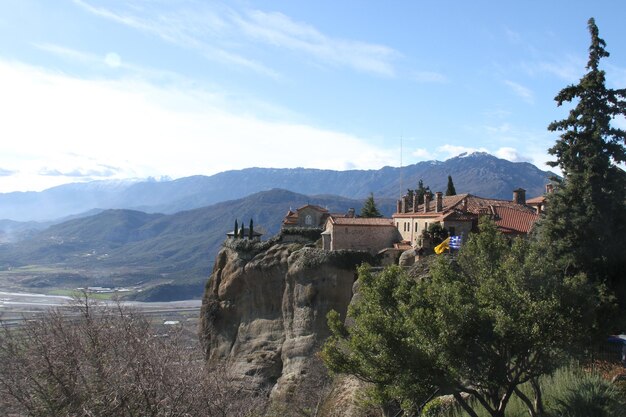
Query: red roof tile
{"type": "Point", "coordinates": [512, 220]}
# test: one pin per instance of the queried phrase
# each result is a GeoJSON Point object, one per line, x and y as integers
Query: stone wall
{"type": "Point", "coordinates": [370, 238]}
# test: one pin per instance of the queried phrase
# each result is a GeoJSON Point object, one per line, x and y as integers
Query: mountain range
{"type": "Point", "coordinates": [119, 247]}
{"type": "Point", "coordinates": [148, 240]}
{"type": "Point", "coordinates": [478, 173]}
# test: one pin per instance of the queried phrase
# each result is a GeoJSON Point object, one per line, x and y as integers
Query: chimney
{"type": "Point", "coordinates": [399, 206]}
{"type": "Point", "coordinates": [549, 188]}
{"type": "Point", "coordinates": [465, 204]}
{"type": "Point", "coordinates": [519, 196]}
{"type": "Point", "coordinates": [414, 202]}
{"type": "Point", "coordinates": [438, 202]}
{"type": "Point", "coordinates": [350, 213]}
{"type": "Point", "coordinates": [403, 204]}
{"type": "Point", "coordinates": [426, 202]}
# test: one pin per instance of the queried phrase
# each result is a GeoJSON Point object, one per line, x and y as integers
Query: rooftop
{"type": "Point", "coordinates": [362, 221]}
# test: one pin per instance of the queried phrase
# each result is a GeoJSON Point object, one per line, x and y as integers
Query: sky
{"type": "Point", "coordinates": [121, 89]}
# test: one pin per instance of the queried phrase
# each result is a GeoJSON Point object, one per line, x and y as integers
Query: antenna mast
{"type": "Point", "coordinates": [401, 188]}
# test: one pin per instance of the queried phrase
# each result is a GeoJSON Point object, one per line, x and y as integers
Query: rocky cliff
{"type": "Point", "coordinates": [265, 304]}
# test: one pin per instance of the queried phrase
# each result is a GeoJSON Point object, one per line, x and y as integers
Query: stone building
{"type": "Point", "coordinates": [359, 233]}
{"type": "Point", "coordinates": [459, 214]}
{"type": "Point", "coordinates": [308, 216]}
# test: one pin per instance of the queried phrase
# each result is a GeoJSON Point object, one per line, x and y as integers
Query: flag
{"type": "Point", "coordinates": [442, 247]}
{"type": "Point", "coordinates": [455, 242]}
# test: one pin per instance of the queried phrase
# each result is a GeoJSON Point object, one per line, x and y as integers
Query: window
{"type": "Point", "coordinates": [425, 225]}
{"type": "Point", "coordinates": [451, 231]}
{"type": "Point", "coordinates": [308, 220]}
{"type": "Point", "coordinates": [416, 229]}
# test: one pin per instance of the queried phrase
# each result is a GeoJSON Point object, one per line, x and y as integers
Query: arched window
{"type": "Point", "coordinates": [308, 220]}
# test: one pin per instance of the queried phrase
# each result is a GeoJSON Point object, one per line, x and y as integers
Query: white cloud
{"type": "Point", "coordinates": [510, 154]}
{"type": "Point", "coordinates": [523, 92]}
{"type": "Point", "coordinates": [227, 36]}
{"type": "Point", "coordinates": [450, 151]}
{"type": "Point", "coordinates": [279, 30]}
{"type": "Point", "coordinates": [188, 30]}
{"type": "Point", "coordinates": [422, 154]}
{"type": "Point", "coordinates": [145, 130]}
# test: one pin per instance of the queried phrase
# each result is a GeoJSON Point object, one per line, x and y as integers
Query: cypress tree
{"type": "Point", "coordinates": [585, 225]}
{"type": "Point", "coordinates": [236, 230]}
{"type": "Point", "coordinates": [242, 231]}
{"type": "Point", "coordinates": [450, 190]}
{"type": "Point", "coordinates": [251, 230]}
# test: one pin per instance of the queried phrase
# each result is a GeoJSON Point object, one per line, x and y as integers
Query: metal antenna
{"type": "Point", "coordinates": [401, 187]}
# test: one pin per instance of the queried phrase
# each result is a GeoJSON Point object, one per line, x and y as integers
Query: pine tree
{"type": "Point", "coordinates": [450, 190]}
{"type": "Point", "coordinates": [236, 230]}
{"type": "Point", "coordinates": [585, 225]}
{"type": "Point", "coordinates": [369, 208]}
{"type": "Point", "coordinates": [421, 191]}
{"type": "Point", "coordinates": [251, 230]}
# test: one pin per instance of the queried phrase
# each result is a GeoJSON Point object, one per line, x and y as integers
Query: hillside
{"type": "Point", "coordinates": [478, 173]}
{"type": "Point", "coordinates": [123, 247]}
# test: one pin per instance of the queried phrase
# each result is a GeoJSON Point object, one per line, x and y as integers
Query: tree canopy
{"type": "Point", "coordinates": [369, 208]}
{"type": "Point", "coordinates": [482, 324]}
{"type": "Point", "coordinates": [585, 224]}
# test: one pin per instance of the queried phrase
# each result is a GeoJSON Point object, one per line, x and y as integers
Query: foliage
{"type": "Point", "coordinates": [310, 233]}
{"type": "Point", "coordinates": [421, 191]}
{"type": "Point", "coordinates": [570, 391]}
{"type": "Point", "coordinates": [483, 324]}
{"type": "Point", "coordinates": [585, 223]}
{"type": "Point", "coordinates": [369, 208]}
{"type": "Point", "coordinates": [94, 360]}
{"type": "Point", "coordinates": [437, 233]}
{"type": "Point", "coordinates": [251, 230]}
{"type": "Point", "coordinates": [589, 395]}
{"type": "Point", "coordinates": [450, 190]}
{"type": "Point", "coordinates": [236, 232]}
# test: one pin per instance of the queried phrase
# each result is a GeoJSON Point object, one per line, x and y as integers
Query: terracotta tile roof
{"type": "Point", "coordinates": [475, 204]}
{"type": "Point", "coordinates": [290, 218]}
{"type": "Point", "coordinates": [459, 216]}
{"type": "Point", "coordinates": [509, 216]}
{"type": "Point", "coordinates": [513, 220]}
{"type": "Point", "coordinates": [313, 206]}
{"type": "Point", "coordinates": [362, 221]}
{"type": "Point", "coordinates": [536, 200]}
{"type": "Point", "coordinates": [404, 245]}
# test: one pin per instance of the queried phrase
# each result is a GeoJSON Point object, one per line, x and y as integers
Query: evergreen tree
{"type": "Point", "coordinates": [242, 231]}
{"type": "Point", "coordinates": [422, 191]}
{"type": "Point", "coordinates": [369, 208]}
{"type": "Point", "coordinates": [236, 230]}
{"type": "Point", "coordinates": [251, 230]}
{"type": "Point", "coordinates": [585, 225]}
{"type": "Point", "coordinates": [450, 190]}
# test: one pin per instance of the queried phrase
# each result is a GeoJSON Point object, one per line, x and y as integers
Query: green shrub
{"type": "Point", "coordinates": [589, 396]}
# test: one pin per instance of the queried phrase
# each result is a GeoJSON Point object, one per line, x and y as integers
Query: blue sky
{"type": "Point", "coordinates": [112, 89]}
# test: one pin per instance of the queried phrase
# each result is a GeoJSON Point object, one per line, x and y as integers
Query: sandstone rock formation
{"type": "Point", "coordinates": [265, 305]}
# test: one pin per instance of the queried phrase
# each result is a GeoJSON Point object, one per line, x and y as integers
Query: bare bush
{"type": "Point", "coordinates": [109, 361]}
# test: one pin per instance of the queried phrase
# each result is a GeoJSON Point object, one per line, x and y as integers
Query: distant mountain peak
{"type": "Point", "coordinates": [475, 154]}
